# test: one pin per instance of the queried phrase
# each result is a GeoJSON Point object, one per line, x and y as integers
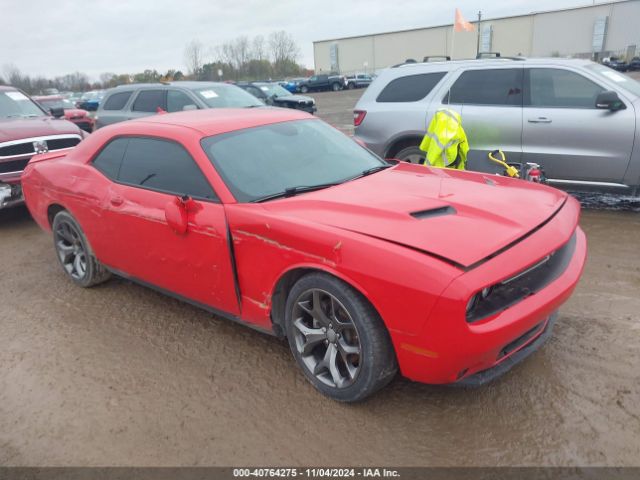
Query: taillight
{"type": "Point", "coordinates": [358, 117]}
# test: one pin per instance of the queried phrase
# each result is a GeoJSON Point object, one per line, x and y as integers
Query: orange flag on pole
{"type": "Point", "coordinates": [461, 24]}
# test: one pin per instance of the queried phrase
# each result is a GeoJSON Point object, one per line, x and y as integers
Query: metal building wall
{"type": "Point", "coordinates": [562, 32]}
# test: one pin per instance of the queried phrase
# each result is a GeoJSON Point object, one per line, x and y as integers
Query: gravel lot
{"type": "Point", "coordinates": [121, 375]}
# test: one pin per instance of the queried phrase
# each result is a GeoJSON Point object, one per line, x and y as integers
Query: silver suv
{"type": "Point", "coordinates": [136, 100]}
{"type": "Point", "coordinates": [576, 118]}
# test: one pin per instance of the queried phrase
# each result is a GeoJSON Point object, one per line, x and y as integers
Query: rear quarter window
{"type": "Point", "coordinates": [117, 101]}
{"type": "Point", "coordinates": [410, 88]}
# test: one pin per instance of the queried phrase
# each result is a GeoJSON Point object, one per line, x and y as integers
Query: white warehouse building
{"type": "Point", "coordinates": [592, 31]}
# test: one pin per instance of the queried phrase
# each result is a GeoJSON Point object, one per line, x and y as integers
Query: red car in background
{"type": "Point", "coordinates": [275, 219]}
{"type": "Point", "coordinates": [26, 129]}
{"type": "Point", "coordinates": [75, 115]}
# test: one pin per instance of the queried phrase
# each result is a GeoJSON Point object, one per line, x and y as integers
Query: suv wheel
{"type": "Point", "coordinates": [411, 155]}
{"type": "Point", "coordinates": [351, 85]}
{"type": "Point", "coordinates": [304, 89]}
{"type": "Point", "coordinates": [335, 87]}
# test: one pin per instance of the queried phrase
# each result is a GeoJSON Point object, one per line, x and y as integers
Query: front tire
{"type": "Point", "coordinates": [304, 89]}
{"type": "Point", "coordinates": [338, 339]}
{"type": "Point", "coordinates": [74, 253]}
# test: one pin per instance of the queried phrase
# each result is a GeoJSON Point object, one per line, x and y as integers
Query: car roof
{"type": "Point", "coordinates": [189, 84]}
{"type": "Point", "coordinates": [214, 121]}
{"type": "Point", "coordinates": [491, 62]}
{"type": "Point", "coordinates": [7, 88]}
{"type": "Point", "coordinates": [47, 97]}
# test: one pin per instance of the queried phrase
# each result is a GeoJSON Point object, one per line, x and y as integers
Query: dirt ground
{"type": "Point", "coordinates": [121, 375]}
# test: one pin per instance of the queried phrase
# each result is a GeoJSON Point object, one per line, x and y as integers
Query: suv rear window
{"type": "Point", "coordinates": [117, 101]}
{"type": "Point", "coordinates": [410, 88]}
{"type": "Point", "coordinates": [488, 87]}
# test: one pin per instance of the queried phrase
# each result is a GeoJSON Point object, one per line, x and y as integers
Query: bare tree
{"type": "Point", "coordinates": [193, 57]}
{"type": "Point", "coordinates": [258, 48]}
{"type": "Point", "coordinates": [283, 48]}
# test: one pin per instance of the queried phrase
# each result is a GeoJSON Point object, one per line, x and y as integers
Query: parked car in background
{"type": "Point", "coordinates": [634, 64]}
{"type": "Point", "coordinates": [26, 129]}
{"type": "Point", "coordinates": [318, 83]}
{"type": "Point", "coordinates": [75, 115]}
{"type": "Point", "coordinates": [131, 101]}
{"type": "Point", "coordinates": [578, 119]}
{"type": "Point", "coordinates": [293, 84]}
{"type": "Point", "coordinates": [90, 101]}
{"type": "Point", "coordinates": [75, 97]}
{"type": "Point", "coordinates": [275, 219]}
{"type": "Point", "coordinates": [274, 94]}
{"type": "Point", "coordinates": [359, 80]}
{"type": "Point", "coordinates": [50, 91]}
{"type": "Point", "coordinates": [616, 63]}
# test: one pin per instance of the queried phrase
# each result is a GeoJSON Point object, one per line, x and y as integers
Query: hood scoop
{"type": "Point", "coordinates": [433, 212]}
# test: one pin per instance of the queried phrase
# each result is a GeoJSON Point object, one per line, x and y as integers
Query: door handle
{"type": "Point", "coordinates": [539, 120]}
{"type": "Point", "coordinates": [116, 200]}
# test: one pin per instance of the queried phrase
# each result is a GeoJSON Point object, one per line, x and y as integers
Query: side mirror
{"type": "Point", "coordinates": [609, 100]}
{"type": "Point", "coordinates": [176, 214]}
{"type": "Point", "coordinates": [57, 112]}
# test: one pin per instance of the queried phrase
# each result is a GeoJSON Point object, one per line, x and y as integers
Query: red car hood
{"type": "Point", "coordinates": [460, 216]}
{"type": "Point", "coordinates": [17, 128]}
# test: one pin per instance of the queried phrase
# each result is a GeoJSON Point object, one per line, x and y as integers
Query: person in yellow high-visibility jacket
{"type": "Point", "coordinates": [445, 143]}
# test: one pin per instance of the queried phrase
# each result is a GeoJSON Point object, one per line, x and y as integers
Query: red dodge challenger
{"type": "Point", "coordinates": [273, 218]}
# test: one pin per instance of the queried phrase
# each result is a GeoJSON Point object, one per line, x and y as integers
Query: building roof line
{"type": "Point", "coordinates": [590, 5]}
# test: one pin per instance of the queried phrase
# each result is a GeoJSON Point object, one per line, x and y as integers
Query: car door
{"type": "Point", "coordinates": [567, 135]}
{"type": "Point", "coordinates": [489, 100]}
{"type": "Point", "coordinates": [147, 102]}
{"type": "Point", "coordinates": [136, 237]}
{"type": "Point", "coordinates": [113, 109]}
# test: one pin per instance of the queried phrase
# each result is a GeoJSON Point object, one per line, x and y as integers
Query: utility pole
{"type": "Point", "coordinates": [478, 42]}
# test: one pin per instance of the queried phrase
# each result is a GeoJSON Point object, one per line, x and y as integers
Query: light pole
{"type": "Point", "coordinates": [478, 41]}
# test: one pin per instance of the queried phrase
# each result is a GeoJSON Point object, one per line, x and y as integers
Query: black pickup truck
{"type": "Point", "coordinates": [317, 83]}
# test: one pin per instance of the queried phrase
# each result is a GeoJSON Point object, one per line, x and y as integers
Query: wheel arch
{"type": "Point", "coordinates": [289, 277]}
{"type": "Point", "coordinates": [52, 210]}
{"type": "Point", "coordinates": [400, 143]}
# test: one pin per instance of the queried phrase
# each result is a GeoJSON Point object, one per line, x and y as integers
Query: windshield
{"type": "Point", "coordinates": [266, 160]}
{"type": "Point", "coordinates": [620, 79]}
{"type": "Point", "coordinates": [220, 96]}
{"type": "Point", "coordinates": [56, 103]}
{"type": "Point", "coordinates": [274, 90]}
{"type": "Point", "coordinates": [17, 104]}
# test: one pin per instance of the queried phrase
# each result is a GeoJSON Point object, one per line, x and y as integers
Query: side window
{"type": "Point", "coordinates": [165, 166]}
{"type": "Point", "coordinates": [410, 88]}
{"type": "Point", "coordinates": [117, 101]}
{"type": "Point", "coordinates": [256, 92]}
{"type": "Point", "coordinates": [553, 87]}
{"type": "Point", "coordinates": [177, 100]}
{"type": "Point", "coordinates": [109, 159]}
{"type": "Point", "coordinates": [149, 101]}
{"type": "Point", "coordinates": [488, 87]}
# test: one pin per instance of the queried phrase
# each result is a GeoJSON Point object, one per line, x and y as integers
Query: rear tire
{"type": "Point", "coordinates": [74, 252]}
{"type": "Point", "coordinates": [351, 86]}
{"type": "Point", "coordinates": [411, 155]}
{"type": "Point", "coordinates": [335, 86]}
{"type": "Point", "coordinates": [304, 89]}
{"type": "Point", "coordinates": [338, 339]}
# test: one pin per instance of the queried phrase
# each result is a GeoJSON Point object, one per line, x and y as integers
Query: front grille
{"type": "Point", "coordinates": [524, 284]}
{"type": "Point", "coordinates": [13, 165]}
{"type": "Point", "coordinates": [59, 143]}
{"type": "Point", "coordinates": [18, 149]}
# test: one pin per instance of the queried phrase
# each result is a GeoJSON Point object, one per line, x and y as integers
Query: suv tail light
{"type": "Point", "coordinates": [358, 117]}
